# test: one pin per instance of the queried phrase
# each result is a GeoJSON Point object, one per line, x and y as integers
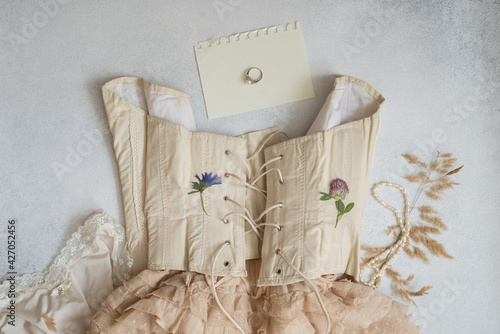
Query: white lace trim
{"type": "Point", "coordinates": [81, 244]}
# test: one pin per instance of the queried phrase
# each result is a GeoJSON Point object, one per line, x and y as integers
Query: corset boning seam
{"type": "Point", "coordinates": [136, 183]}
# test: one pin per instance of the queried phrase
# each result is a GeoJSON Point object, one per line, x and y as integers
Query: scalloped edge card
{"type": "Point", "coordinates": [278, 52]}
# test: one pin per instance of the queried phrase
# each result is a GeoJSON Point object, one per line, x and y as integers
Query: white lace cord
{"type": "Point", "coordinates": [266, 211]}
{"type": "Point", "coordinates": [328, 327]}
{"type": "Point", "coordinates": [252, 223]}
{"type": "Point", "coordinates": [82, 243]}
{"type": "Point", "coordinates": [249, 176]}
{"type": "Point", "coordinates": [248, 220]}
{"type": "Point", "coordinates": [227, 198]}
{"type": "Point", "coordinates": [254, 180]}
{"type": "Point", "coordinates": [241, 160]}
{"type": "Point", "coordinates": [268, 138]}
{"type": "Point", "coordinates": [279, 227]}
{"type": "Point", "coordinates": [251, 186]}
{"type": "Point", "coordinates": [257, 178]}
{"type": "Point", "coordinates": [390, 254]}
{"type": "Point", "coordinates": [214, 291]}
{"type": "Point", "coordinates": [227, 243]}
{"type": "Point", "coordinates": [269, 162]}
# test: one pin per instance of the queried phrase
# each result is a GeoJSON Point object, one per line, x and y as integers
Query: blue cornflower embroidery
{"type": "Point", "coordinates": [207, 180]}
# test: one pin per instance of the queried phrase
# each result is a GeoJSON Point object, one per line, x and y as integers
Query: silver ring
{"type": "Point", "coordinates": [253, 75]}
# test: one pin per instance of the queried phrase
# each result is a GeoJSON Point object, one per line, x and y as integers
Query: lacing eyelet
{"type": "Point", "coordinates": [281, 204]}
{"type": "Point", "coordinates": [226, 174]}
{"type": "Point", "coordinates": [226, 198]}
{"type": "Point", "coordinates": [227, 152]}
{"type": "Point", "coordinates": [280, 228]}
{"type": "Point", "coordinates": [226, 263]}
{"type": "Point", "coordinates": [281, 156]}
{"type": "Point", "coordinates": [277, 251]}
{"type": "Point", "coordinates": [278, 271]}
{"type": "Point", "coordinates": [282, 181]}
{"type": "Point", "coordinates": [225, 221]}
{"type": "Point", "coordinates": [227, 242]}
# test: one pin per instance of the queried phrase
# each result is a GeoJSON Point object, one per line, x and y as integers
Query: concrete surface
{"type": "Point", "coordinates": [436, 62]}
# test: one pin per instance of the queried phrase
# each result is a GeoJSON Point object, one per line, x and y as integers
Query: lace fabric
{"type": "Point", "coordinates": [81, 244]}
{"type": "Point", "coordinates": [65, 295]}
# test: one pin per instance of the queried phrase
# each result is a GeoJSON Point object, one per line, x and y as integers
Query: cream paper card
{"type": "Point", "coordinates": [279, 53]}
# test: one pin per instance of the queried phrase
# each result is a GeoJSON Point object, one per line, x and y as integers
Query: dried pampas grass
{"type": "Point", "coordinates": [434, 179]}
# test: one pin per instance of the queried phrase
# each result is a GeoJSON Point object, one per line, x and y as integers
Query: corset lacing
{"type": "Point", "coordinates": [251, 183]}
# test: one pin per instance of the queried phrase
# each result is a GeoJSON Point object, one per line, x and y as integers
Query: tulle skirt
{"type": "Point", "coordinates": [182, 302]}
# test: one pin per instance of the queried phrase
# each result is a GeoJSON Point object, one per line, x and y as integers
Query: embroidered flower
{"type": "Point", "coordinates": [49, 322]}
{"type": "Point", "coordinates": [338, 189]}
{"type": "Point", "coordinates": [207, 180]}
{"type": "Point", "coordinates": [62, 290]}
{"type": "Point", "coordinates": [338, 192]}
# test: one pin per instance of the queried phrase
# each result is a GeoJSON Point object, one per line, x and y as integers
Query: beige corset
{"type": "Point", "coordinates": [167, 228]}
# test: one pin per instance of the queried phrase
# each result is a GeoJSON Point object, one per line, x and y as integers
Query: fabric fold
{"type": "Point", "coordinates": [157, 302]}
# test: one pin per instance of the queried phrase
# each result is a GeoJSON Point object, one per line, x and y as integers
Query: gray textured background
{"type": "Point", "coordinates": [436, 62]}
